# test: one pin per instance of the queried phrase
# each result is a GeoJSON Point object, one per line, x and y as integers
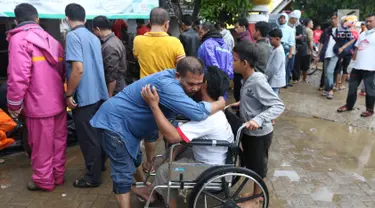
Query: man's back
{"type": "Point", "coordinates": [190, 40]}
{"type": "Point", "coordinates": [264, 53]}
{"type": "Point", "coordinates": [36, 72]}
{"type": "Point", "coordinates": [215, 127]}
{"type": "Point", "coordinates": [83, 46]}
{"type": "Point", "coordinates": [157, 51]}
{"type": "Point", "coordinates": [129, 115]}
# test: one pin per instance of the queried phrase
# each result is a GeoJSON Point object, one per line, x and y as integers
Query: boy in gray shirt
{"type": "Point", "coordinates": [259, 105]}
{"type": "Point", "coordinates": [276, 63]}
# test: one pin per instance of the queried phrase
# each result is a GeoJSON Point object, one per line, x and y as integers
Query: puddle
{"type": "Point", "coordinates": [291, 174]}
{"type": "Point", "coordinates": [322, 194]}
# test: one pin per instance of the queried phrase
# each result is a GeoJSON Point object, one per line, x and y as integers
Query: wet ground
{"type": "Point", "coordinates": [318, 158]}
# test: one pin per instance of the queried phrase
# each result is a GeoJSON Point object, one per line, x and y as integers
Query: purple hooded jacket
{"type": "Point", "coordinates": [214, 52]}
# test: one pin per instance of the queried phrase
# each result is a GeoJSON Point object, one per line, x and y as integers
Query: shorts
{"type": "Point", "coordinates": [122, 163]}
{"type": "Point", "coordinates": [305, 63]}
{"type": "Point", "coordinates": [153, 138]}
{"type": "Point", "coordinates": [255, 153]}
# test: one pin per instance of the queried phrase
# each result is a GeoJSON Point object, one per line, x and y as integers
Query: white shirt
{"type": "Point", "coordinates": [366, 50]}
{"type": "Point", "coordinates": [215, 127]}
{"type": "Point", "coordinates": [331, 44]}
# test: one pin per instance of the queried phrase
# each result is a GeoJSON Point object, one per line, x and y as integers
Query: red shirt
{"type": "Point", "coordinates": [142, 30]}
{"type": "Point", "coordinates": [317, 34]}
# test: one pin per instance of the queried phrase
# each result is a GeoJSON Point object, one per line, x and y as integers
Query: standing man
{"type": "Point", "coordinates": [228, 38]}
{"type": "Point", "coordinates": [126, 118]}
{"type": "Point", "coordinates": [36, 88]}
{"type": "Point", "coordinates": [156, 51]}
{"type": "Point", "coordinates": [326, 53]}
{"type": "Point", "coordinates": [260, 35]}
{"type": "Point", "coordinates": [213, 51]}
{"type": "Point", "coordinates": [363, 69]}
{"type": "Point", "coordinates": [114, 55]}
{"type": "Point", "coordinates": [242, 31]}
{"type": "Point", "coordinates": [189, 37]}
{"type": "Point", "coordinates": [287, 41]}
{"type": "Point", "coordinates": [86, 91]}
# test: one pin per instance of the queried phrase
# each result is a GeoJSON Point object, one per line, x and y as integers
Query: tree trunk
{"type": "Point", "coordinates": [197, 7]}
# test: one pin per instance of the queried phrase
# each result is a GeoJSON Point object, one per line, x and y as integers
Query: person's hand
{"type": "Point", "coordinates": [71, 103]}
{"type": "Point", "coordinates": [252, 125]}
{"type": "Point", "coordinates": [316, 60]}
{"type": "Point", "coordinates": [15, 114]}
{"type": "Point", "coordinates": [150, 95]}
{"type": "Point", "coordinates": [235, 105]}
{"type": "Point", "coordinates": [290, 55]}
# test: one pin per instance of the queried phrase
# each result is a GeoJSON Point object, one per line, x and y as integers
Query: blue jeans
{"type": "Point", "coordinates": [276, 90]}
{"type": "Point", "coordinates": [289, 67]}
{"type": "Point", "coordinates": [122, 164]}
{"type": "Point", "coordinates": [329, 65]}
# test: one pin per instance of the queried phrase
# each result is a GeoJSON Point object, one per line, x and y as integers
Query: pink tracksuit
{"type": "Point", "coordinates": [36, 83]}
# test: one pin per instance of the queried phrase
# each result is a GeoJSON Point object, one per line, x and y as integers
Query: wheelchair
{"type": "Point", "coordinates": [216, 186]}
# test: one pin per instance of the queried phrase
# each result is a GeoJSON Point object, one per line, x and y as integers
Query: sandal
{"type": "Point", "coordinates": [343, 109]}
{"type": "Point", "coordinates": [329, 96]}
{"type": "Point", "coordinates": [82, 183]}
{"type": "Point", "coordinates": [342, 88]}
{"type": "Point", "coordinates": [367, 113]}
{"type": "Point", "coordinates": [146, 170]}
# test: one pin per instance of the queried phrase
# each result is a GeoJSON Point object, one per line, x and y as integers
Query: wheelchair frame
{"type": "Point", "coordinates": [191, 185]}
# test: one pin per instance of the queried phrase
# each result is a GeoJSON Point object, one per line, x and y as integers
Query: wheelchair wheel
{"type": "Point", "coordinates": [216, 188]}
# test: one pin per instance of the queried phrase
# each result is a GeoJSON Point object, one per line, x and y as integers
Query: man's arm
{"type": "Point", "coordinates": [310, 37]}
{"type": "Point", "coordinates": [111, 60]}
{"type": "Point", "coordinates": [355, 54]}
{"type": "Point", "coordinates": [180, 52]}
{"type": "Point", "coordinates": [19, 74]}
{"type": "Point", "coordinates": [173, 97]}
{"type": "Point", "coordinates": [74, 55]}
{"type": "Point", "coordinates": [268, 98]}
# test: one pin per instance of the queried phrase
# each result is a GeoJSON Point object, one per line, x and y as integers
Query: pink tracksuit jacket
{"type": "Point", "coordinates": [35, 72]}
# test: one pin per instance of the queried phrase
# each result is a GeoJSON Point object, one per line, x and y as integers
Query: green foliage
{"type": "Point", "coordinates": [224, 10]}
{"type": "Point", "coordinates": [321, 10]}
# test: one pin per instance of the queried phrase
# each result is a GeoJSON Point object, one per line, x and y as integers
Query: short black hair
{"type": "Point", "coordinates": [140, 21]}
{"type": "Point", "coordinates": [334, 14]}
{"type": "Point", "coordinates": [217, 82]}
{"type": "Point", "coordinates": [243, 22]}
{"type": "Point", "coordinates": [263, 28]}
{"type": "Point", "coordinates": [208, 26]}
{"type": "Point", "coordinates": [248, 51]}
{"type": "Point", "coordinates": [370, 15]}
{"type": "Point", "coordinates": [190, 64]}
{"type": "Point", "coordinates": [25, 12]}
{"type": "Point", "coordinates": [363, 24]}
{"type": "Point", "coordinates": [187, 19]}
{"type": "Point", "coordinates": [102, 22]}
{"type": "Point", "coordinates": [276, 33]}
{"type": "Point", "coordinates": [306, 22]}
{"type": "Point", "coordinates": [158, 16]}
{"type": "Point", "coordinates": [75, 12]}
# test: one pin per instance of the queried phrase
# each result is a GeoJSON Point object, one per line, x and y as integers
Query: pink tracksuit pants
{"type": "Point", "coordinates": [48, 140]}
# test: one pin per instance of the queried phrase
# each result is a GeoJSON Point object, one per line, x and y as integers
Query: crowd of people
{"type": "Point", "coordinates": [188, 76]}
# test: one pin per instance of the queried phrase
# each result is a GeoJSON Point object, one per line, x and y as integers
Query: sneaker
{"type": "Point", "coordinates": [325, 94]}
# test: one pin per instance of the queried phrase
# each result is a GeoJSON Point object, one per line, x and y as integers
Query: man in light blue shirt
{"type": "Point", "coordinates": [288, 42]}
{"type": "Point", "coordinates": [126, 118]}
{"type": "Point", "coordinates": [86, 91]}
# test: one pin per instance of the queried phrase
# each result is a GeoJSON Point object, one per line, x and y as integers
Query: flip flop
{"type": "Point", "coordinates": [153, 171]}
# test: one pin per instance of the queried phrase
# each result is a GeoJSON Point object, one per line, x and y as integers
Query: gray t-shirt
{"type": "Point", "coordinates": [259, 103]}
{"type": "Point", "coordinates": [264, 53]}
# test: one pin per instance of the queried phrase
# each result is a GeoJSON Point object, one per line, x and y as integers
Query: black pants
{"type": "Point", "coordinates": [89, 140]}
{"type": "Point", "coordinates": [255, 153]}
{"type": "Point", "coordinates": [237, 86]}
{"type": "Point", "coordinates": [342, 65]}
{"type": "Point", "coordinates": [301, 63]}
{"type": "Point", "coordinates": [368, 77]}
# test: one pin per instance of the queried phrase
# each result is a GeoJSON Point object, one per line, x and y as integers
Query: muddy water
{"type": "Point", "coordinates": [320, 163]}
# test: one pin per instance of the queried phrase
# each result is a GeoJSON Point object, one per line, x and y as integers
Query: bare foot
{"type": "Point", "coordinates": [143, 193]}
{"type": "Point", "coordinates": [251, 203]}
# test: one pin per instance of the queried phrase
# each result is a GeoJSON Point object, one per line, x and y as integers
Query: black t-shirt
{"type": "Point", "coordinates": [301, 44]}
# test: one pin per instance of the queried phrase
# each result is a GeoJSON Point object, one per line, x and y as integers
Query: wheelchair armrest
{"type": "Point", "coordinates": [181, 118]}
{"type": "Point", "coordinates": [213, 143]}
